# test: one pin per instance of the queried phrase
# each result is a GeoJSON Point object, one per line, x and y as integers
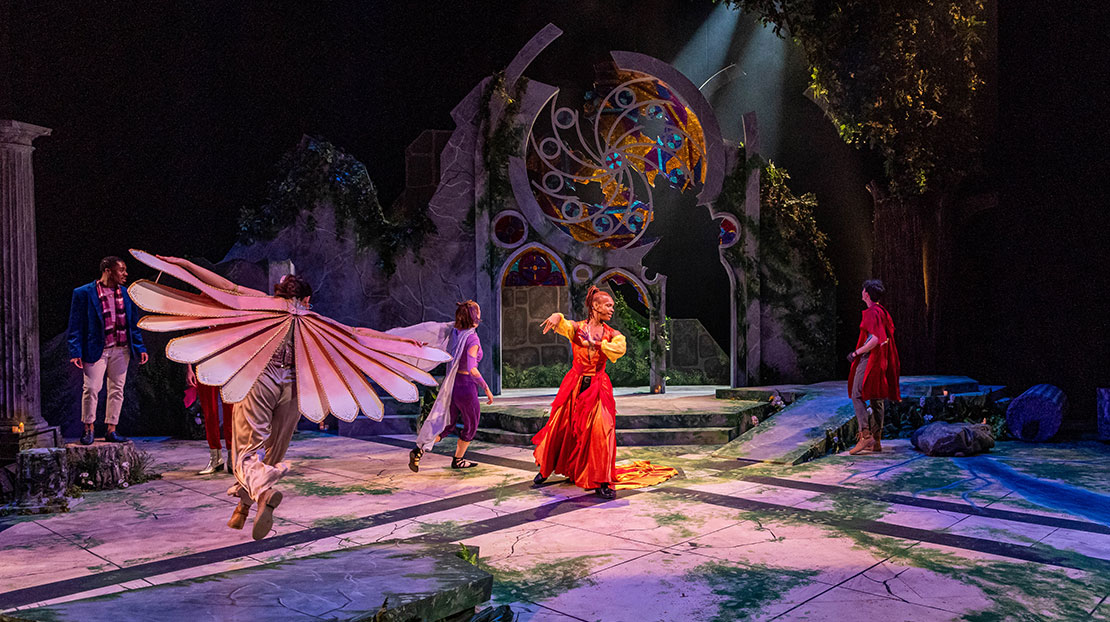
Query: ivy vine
{"type": "Point", "coordinates": [792, 272]}
{"type": "Point", "coordinates": [317, 172]}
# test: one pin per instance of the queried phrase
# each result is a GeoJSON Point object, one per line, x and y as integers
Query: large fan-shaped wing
{"type": "Point", "coordinates": [170, 323]}
{"type": "Point", "coordinates": [386, 343]}
{"type": "Point", "coordinates": [183, 269]}
{"type": "Point", "coordinates": [352, 376]}
{"type": "Point", "coordinates": [218, 368]}
{"type": "Point", "coordinates": [391, 374]}
{"type": "Point", "coordinates": [236, 389]}
{"type": "Point", "coordinates": [397, 384]}
{"type": "Point", "coordinates": [212, 278]}
{"type": "Point", "coordinates": [157, 298]}
{"type": "Point", "coordinates": [310, 394]}
{"type": "Point", "coordinates": [207, 343]}
{"type": "Point", "coordinates": [243, 328]}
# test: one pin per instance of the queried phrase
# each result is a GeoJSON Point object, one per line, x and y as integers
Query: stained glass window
{"type": "Point", "coordinates": [534, 267]}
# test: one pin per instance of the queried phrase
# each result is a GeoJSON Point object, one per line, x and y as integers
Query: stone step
{"type": "Point", "coordinates": [525, 422]}
{"type": "Point", "coordinates": [676, 436]}
{"type": "Point", "coordinates": [761, 394]}
{"type": "Point", "coordinates": [630, 437]}
{"type": "Point", "coordinates": [389, 581]}
{"type": "Point", "coordinates": [390, 424]}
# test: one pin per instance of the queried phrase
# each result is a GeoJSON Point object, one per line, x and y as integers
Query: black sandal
{"type": "Point", "coordinates": [462, 463]}
{"type": "Point", "coordinates": [414, 459]}
{"type": "Point", "coordinates": [605, 492]}
{"type": "Point", "coordinates": [538, 479]}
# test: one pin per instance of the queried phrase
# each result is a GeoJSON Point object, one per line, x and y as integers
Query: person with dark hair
{"type": "Point", "coordinates": [264, 422]}
{"type": "Point", "coordinates": [580, 438]}
{"type": "Point", "coordinates": [457, 400]}
{"type": "Point", "coordinates": [103, 336]}
{"type": "Point", "coordinates": [275, 359]}
{"type": "Point", "coordinates": [875, 368]}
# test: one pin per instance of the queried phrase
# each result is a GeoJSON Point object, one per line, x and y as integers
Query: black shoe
{"type": "Point", "coordinates": [113, 437]}
{"type": "Point", "coordinates": [462, 463]}
{"type": "Point", "coordinates": [538, 479]}
{"type": "Point", "coordinates": [605, 492]}
{"type": "Point", "coordinates": [87, 439]}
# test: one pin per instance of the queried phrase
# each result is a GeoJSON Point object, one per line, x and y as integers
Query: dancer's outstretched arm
{"type": "Point", "coordinates": [558, 323]}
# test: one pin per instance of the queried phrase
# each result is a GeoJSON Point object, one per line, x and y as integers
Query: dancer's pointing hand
{"type": "Point", "coordinates": [551, 322]}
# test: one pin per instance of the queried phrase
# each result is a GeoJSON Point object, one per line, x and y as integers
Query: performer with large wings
{"type": "Point", "coordinates": [274, 359]}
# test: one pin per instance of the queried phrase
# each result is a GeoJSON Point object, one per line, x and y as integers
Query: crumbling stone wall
{"type": "Point", "coordinates": [694, 349]}
{"type": "Point", "coordinates": [522, 309]}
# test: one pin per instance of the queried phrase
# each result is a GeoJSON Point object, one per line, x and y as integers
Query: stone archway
{"type": "Point", "coordinates": [533, 283]}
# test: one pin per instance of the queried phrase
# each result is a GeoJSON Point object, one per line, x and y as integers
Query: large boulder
{"type": "Point", "coordinates": [953, 439]}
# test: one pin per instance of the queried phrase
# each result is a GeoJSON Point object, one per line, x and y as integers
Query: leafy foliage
{"type": "Point", "coordinates": [317, 172]}
{"type": "Point", "coordinates": [794, 273]}
{"type": "Point", "coordinates": [791, 245]}
{"type": "Point", "coordinates": [899, 76]}
{"type": "Point", "coordinates": [909, 414]}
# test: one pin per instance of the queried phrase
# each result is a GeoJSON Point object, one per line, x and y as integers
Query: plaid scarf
{"type": "Point", "coordinates": [115, 320]}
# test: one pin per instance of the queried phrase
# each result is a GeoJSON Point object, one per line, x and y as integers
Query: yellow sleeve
{"type": "Point", "coordinates": [614, 348]}
{"type": "Point", "coordinates": [565, 327]}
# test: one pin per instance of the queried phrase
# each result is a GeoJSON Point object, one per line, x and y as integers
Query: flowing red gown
{"type": "Point", "coordinates": [580, 440]}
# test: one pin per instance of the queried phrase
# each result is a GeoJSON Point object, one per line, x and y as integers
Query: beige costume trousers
{"type": "Point", "coordinates": [262, 426]}
{"type": "Point", "coordinates": [874, 421]}
{"type": "Point", "coordinates": [113, 363]}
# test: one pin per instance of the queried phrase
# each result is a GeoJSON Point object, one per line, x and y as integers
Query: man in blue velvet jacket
{"type": "Point", "coordinates": [102, 337]}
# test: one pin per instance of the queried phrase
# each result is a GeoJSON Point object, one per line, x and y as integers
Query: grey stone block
{"type": "Point", "coordinates": [521, 357]}
{"type": "Point", "coordinates": [684, 347]}
{"type": "Point", "coordinates": [514, 326]}
{"type": "Point", "coordinates": [543, 301]}
{"type": "Point", "coordinates": [551, 355]}
{"type": "Point", "coordinates": [706, 345]}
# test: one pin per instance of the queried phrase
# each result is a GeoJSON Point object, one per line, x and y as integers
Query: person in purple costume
{"type": "Point", "coordinates": [457, 401]}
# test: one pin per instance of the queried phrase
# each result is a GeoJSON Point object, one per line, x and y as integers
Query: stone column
{"type": "Point", "coordinates": [19, 293]}
{"type": "Point", "coordinates": [752, 341]}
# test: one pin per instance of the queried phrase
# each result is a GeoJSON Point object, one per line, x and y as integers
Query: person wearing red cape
{"type": "Point", "coordinates": [875, 369]}
{"type": "Point", "coordinates": [579, 440]}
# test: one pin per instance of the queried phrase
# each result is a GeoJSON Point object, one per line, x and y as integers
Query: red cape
{"type": "Point", "coordinates": [880, 380]}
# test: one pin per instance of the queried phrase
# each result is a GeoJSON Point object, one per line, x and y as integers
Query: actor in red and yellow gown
{"type": "Point", "coordinates": [580, 440]}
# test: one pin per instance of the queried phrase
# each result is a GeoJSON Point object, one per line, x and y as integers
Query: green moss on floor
{"type": "Point", "coordinates": [678, 522]}
{"type": "Point", "coordinates": [542, 581]}
{"type": "Point", "coordinates": [745, 590]}
{"type": "Point", "coordinates": [310, 488]}
{"type": "Point", "coordinates": [447, 530]}
{"type": "Point", "coordinates": [333, 521]}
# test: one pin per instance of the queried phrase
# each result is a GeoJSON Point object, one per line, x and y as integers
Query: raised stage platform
{"type": "Point", "coordinates": [817, 418]}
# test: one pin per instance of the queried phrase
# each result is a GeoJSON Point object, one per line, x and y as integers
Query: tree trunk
{"type": "Point", "coordinates": [912, 255]}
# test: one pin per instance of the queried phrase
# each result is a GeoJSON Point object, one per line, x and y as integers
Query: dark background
{"type": "Point", "coordinates": [168, 118]}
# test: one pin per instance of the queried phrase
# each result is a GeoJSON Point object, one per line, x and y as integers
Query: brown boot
{"type": "Point", "coordinates": [878, 409]}
{"type": "Point", "coordinates": [239, 516]}
{"type": "Point", "coordinates": [866, 442]}
{"type": "Point", "coordinates": [264, 517]}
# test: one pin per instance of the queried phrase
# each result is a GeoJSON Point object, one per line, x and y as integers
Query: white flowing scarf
{"type": "Point", "coordinates": [437, 335]}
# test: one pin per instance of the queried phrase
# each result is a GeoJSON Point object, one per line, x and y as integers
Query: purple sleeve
{"type": "Point", "coordinates": [472, 361]}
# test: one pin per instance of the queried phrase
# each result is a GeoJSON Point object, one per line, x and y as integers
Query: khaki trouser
{"type": "Point", "coordinates": [113, 362]}
{"type": "Point", "coordinates": [263, 423]}
{"type": "Point", "coordinates": [875, 421]}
